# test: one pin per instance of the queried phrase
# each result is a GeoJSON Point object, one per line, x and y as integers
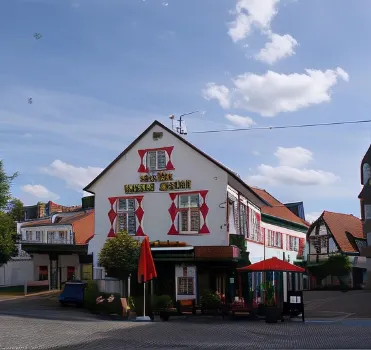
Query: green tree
{"type": "Point", "coordinates": [120, 255]}
{"type": "Point", "coordinates": [7, 238]}
{"type": "Point", "coordinates": [16, 210]}
{"type": "Point", "coordinates": [5, 185]}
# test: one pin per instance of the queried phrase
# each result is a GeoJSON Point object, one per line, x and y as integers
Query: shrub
{"type": "Point", "coordinates": [162, 302]}
{"type": "Point", "coordinates": [210, 300]}
{"type": "Point", "coordinates": [90, 296]}
{"type": "Point", "coordinates": [137, 303]}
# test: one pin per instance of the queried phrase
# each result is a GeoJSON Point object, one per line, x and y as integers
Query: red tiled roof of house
{"type": "Point", "coordinates": [339, 224]}
{"type": "Point", "coordinates": [277, 209]}
{"type": "Point", "coordinates": [82, 224]}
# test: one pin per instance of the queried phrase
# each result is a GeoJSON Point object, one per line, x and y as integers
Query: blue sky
{"type": "Point", "coordinates": [104, 69]}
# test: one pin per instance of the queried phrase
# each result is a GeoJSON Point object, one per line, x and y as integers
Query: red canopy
{"type": "Point", "coordinates": [272, 264]}
{"type": "Point", "coordinates": [146, 265]}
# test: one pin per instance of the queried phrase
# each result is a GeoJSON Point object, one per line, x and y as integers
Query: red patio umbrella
{"type": "Point", "coordinates": [146, 268]}
{"type": "Point", "coordinates": [272, 264]}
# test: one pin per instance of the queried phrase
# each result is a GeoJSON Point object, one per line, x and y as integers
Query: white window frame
{"type": "Point", "coordinates": [157, 167]}
{"type": "Point", "coordinates": [294, 247]}
{"type": "Point", "coordinates": [38, 236]}
{"type": "Point", "coordinates": [126, 211]}
{"type": "Point", "coordinates": [189, 211]}
{"type": "Point", "coordinates": [189, 282]}
{"type": "Point", "coordinates": [28, 235]}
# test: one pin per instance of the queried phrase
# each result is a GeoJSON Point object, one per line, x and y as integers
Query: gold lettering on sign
{"type": "Point", "coordinates": [139, 188]}
{"type": "Point", "coordinates": [176, 185]}
{"type": "Point", "coordinates": [159, 177]}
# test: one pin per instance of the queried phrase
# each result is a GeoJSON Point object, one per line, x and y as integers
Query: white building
{"type": "Point", "coordinates": [58, 246]}
{"type": "Point", "coordinates": [164, 187]}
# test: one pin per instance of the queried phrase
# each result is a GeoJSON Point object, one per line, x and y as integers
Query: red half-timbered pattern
{"type": "Point", "coordinates": [174, 211]}
{"type": "Point", "coordinates": [139, 213]}
{"type": "Point", "coordinates": [143, 158]}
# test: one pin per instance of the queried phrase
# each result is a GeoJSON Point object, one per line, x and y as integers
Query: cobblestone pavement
{"type": "Point", "coordinates": [41, 324]}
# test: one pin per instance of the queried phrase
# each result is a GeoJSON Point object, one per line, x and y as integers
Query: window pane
{"type": "Point", "coordinates": [151, 160]}
{"type": "Point", "coordinates": [183, 217]}
{"type": "Point", "coordinates": [122, 222]}
{"type": "Point", "coordinates": [122, 204]}
{"type": "Point", "coordinates": [194, 200]}
{"type": "Point", "coordinates": [161, 160]}
{"type": "Point", "coordinates": [183, 201]}
{"type": "Point", "coordinates": [195, 221]}
{"type": "Point", "coordinates": [131, 204]}
{"type": "Point", "coordinates": [185, 285]}
{"type": "Point", "coordinates": [132, 224]}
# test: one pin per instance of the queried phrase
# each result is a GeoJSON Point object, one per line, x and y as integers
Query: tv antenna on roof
{"type": "Point", "coordinates": [180, 127]}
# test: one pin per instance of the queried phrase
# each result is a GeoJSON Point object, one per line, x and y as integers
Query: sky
{"type": "Point", "coordinates": [100, 71]}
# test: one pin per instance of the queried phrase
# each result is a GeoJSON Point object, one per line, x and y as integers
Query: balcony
{"type": "Point", "coordinates": [52, 243]}
{"type": "Point", "coordinates": [317, 258]}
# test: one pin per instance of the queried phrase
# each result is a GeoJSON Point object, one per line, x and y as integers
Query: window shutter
{"type": "Point", "coordinates": [139, 213]}
{"type": "Point", "coordinates": [301, 246]}
{"type": "Point", "coordinates": [112, 214]}
{"type": "Point", "coordinates": [173, 211]}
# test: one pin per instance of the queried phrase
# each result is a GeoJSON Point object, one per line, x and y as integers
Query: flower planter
{"type": "Point", "coordinates": [164, 316]}
{"type": "Point", "coordinates": [272, 314]}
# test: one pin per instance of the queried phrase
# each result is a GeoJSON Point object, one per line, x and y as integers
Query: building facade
{"type": "Point", "coordinates": [365, 203]}
{"type": "Point", "coordinates": [58, 246]}
{"type": "Point", "coordinates": [164, 187]}
{"type": "Point", "coordinates": [336, 233]}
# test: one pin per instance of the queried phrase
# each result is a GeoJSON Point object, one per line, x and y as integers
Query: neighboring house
{"type": "Point", "coordinates": [42, 210]}
{"type": "Point", "coordinates": [335, 233]}
{"type": "Point", "coordinates": [284, 232]}
{"type": "Point", "coordinates": [58, 246]}
{"type": "Point", "coordinates": [164, 187]}
{"type": "Point", "coordinates": [365, 201]}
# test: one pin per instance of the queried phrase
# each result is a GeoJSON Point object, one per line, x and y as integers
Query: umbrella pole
{"type": "Point", "coordinates": [144, 306]}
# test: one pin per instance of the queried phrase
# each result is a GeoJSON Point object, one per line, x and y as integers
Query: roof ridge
{"type": "Point", "coordinates": [189, 144]}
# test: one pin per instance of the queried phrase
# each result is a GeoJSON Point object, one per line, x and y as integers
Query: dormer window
{"type": "Point", "coordinates": [366, 172]}
{"type": "Point", "coordinates": [156, 160]}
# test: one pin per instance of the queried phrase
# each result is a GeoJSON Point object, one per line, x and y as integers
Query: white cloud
{"type": "Point", "coordinates": [279, 47]}
{"type": "Point", "coordinates": [256, 153]}
{"type": "Point", "coordinates": [218, 92]}
{"type": "Point", "coordinates": [293, 157]}
{"type": "Point", "coordinates": [313, 216]}
{"type": "Point", "coordinates": [279, 175]}
{"type": "Point", "coordinates": [252, 14]}
{"type": "Point", "coordinates": [75, 178]}
{"type": "Point", "coordinates": [273, 93]}
{"type": "Point", "coordinates": [288, 172]}
{"type": "Point", "coordinates": [40, 191]}
{"type": "Point", "coordinates": [240, 120]}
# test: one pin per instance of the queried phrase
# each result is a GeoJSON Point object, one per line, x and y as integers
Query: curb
{"type": "Point", "coordinates": [32, 295]}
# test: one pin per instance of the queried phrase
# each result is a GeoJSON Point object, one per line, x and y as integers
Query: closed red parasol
{"type": "Point", "coordinates": [146, 271]}
{"type": "Point", "coordinates": [146, 265]}
{"type": "Point", "coordinates": [272, 264]}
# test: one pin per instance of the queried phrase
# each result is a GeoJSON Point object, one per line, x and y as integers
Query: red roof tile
{"type": "Point", "coordinates": [82, 224]}
{"type": "Point", "coordinates": [277, 209]}
{"type": "Point", "coordinates": [339, 224]}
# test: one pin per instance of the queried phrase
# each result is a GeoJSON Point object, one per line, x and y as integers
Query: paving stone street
{"type": "Point", "coordinates": [38, 323]}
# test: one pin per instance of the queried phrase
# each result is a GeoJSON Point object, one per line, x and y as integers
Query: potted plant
{"type": "Point", "coordinates": [272, 312]}
{"type": "Point", "coordinates": [211, 301]}
{"type": "Point", "coordinates": [162, 304]}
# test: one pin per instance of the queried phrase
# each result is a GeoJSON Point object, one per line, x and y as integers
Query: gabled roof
{"type": "Point", "coordinates": [275, 208]}
{"type": "Point", "coordinates": [366, 191]}
{"type": "Point", "coordinates": [83, 233]}
{"type": "Point", "coordinates": [127, 149]}
{"type": "Point", "coordinates": [340, 226]}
